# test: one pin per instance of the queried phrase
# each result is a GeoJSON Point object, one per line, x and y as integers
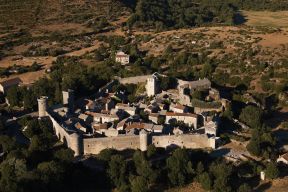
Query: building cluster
{"type": "Point", "coordinates": [108, 121]}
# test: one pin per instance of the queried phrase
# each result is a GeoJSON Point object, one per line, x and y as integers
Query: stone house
{"type": "Point", "coordinates": [99, 127]}
{"type": "Point", "coordinates": [125, 107]}
{"type": "Point", "coordinates": [80, 127]}
{"type": "Point", "coordinates": [177, 108]}
{"type": "Point", "coordinates": [103, 117]}
{"type": "Point", "coordinates": [90, 104]}
{"type": "Point", "coordinates": [211, 128]}
{"type": "Point", "coordinates": [85, 118]}
{"type": "Point", "coordinates": [154, 117]}
{"type": "Point", "coordinates": [188, 118]}
{"type": "Point", "coordinates": [122, 58]}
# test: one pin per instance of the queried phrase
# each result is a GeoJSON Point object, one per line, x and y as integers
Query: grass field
{"type": "Point", "coordinates": [266, 18]}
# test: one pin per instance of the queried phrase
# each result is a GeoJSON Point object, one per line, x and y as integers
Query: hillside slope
{"type": "Point", "coordinates": [26, 13]}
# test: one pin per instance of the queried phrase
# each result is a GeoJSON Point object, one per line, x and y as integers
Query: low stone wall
{"type": "Point", "coordinates": [199, 110]}
{"type": "Point", "coordinates": [186, 140]}
{"type": "Point", "coordinates": [134, 80]}
{"type": "Point", "coordinates": [95, 145]}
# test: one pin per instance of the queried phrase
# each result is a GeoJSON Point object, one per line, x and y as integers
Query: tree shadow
{"type": "Point", "coordinates": [130, 3]}
{"type": "Point", "coordinates": [275, 118]}
{"type": "Point", "coordinates": [263, 187]}
{"type": "Point", "coordinates": [220, 152]}
{"type": "Point", "coordinates": [284, 170]}
{"type": "Point", "coordinates": [239, 18]}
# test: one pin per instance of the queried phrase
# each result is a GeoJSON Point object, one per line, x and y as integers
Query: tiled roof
{"type": "Point", "coordinates": [11, 82]}
{"type": "Point", "coordinates": [136, 126]}
{"type": "Point", "coordinates": [154, 114]}
{"type": "Point", "coordinates": [285, 156]}
{"type": "Point", "coordinates": [178, 106]}
{"type": "Point", "coordinates": [181, 114]}
{"type": "Point", "coordinates": [101, 114]}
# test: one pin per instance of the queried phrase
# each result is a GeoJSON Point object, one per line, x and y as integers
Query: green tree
{"type": "Point", "coordinates": [151, 151]}
{"type": "Point", "coordinates": [106, 154]}
{"type": "Point", "coordinates": [161, 120]}
{"type": "Point", "coordinates": [2, 125]}
{"type": "Point", "coordinates": [7, 143]}
{"type": "Point", "coordinates": [39, 143]}
{"type": "Point", "coordinates": [143, 167]}
{"type": "Point", "coordinates": [13, 173]}
{"type": "Point", "coordinates": [139, 184]}
{"type": "Point", "coordinates": [117, 171]}
{"type": "Point", "coordinates": [254, 146]}
{"type": "Point", "coordinates": [207, 70]}
{"type": "Point", "coordinates": [51, 174]}
{"type": "Point", "coordinates": [14, 96]}
{"type": "Point", "coordinates": [28, 100]}
{"type": "Point", "coordinates": [206, 181]}
{"type": "Point", "coordinates": [179, 167]}
{"type": "Point", "coordinates": [221, 172]}
{"type": "Point", "coordinates": [245, 188]}
{"type": "Point", "coordinates": [228, 113]}
{"type": "Point", "coordinates": [200, 168]}
{"type": "Point", "coordinates": [64, 155]}
{"type": "Point", "coordinates": [252, 116]}
{"type": "Point", "coordinates": [272, 171]}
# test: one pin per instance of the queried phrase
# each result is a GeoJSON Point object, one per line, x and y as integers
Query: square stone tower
{"type": "Point", "coordinates": [152, 86]}
{"type": "Point", "coordinates": [68, 99]}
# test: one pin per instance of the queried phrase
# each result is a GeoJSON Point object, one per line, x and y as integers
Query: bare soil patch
{"type": "Point", "coordinates": [266, 18]}
{"type": "Point", "coordinates": [189, 188]}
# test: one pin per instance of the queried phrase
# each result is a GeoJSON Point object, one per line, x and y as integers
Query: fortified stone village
{"type": "Point", "coordinates": [106, 121]}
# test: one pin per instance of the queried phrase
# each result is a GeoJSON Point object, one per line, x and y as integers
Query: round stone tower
{"type": "Point", "coordinates": [75, 143]}
{"type": "Point", "coordinates": [143, 140]}
{"type": "Point", "coordinates": [42, 106]}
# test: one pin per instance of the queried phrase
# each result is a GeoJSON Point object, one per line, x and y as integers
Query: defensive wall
{"type": "Point", "coordinates": [73, 140]}
{"type": "Point", "coordinates": [84, 146]}
{"type": "Point", "coordinates": [190, 141]}
{"type": "Point", "coordinates": [95, 145]}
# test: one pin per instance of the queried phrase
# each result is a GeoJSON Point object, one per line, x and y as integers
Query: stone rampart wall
{"type": "Point", "coordinates": [95, 145]}
{"type": "Point", "coordinates": [72, 139]}
{"type": "Point", "coordinates": [186, 140]}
